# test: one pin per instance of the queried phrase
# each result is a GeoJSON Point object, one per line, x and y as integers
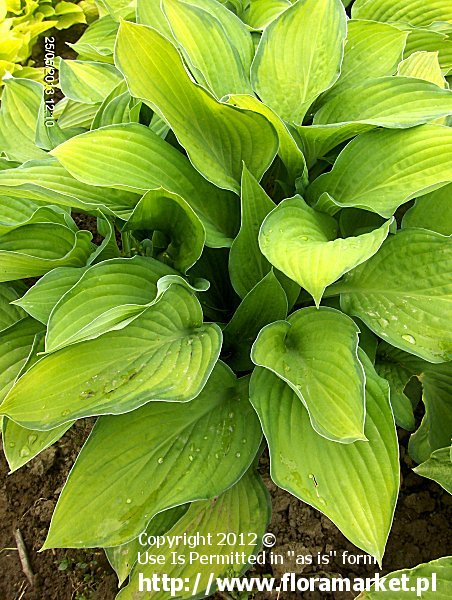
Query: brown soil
{"type": "Point", "coordinates": [28, 497]}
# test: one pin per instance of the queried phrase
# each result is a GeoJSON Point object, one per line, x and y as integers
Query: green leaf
{"type": "Point", "coordinates": [30, 250]}
{"type": "Point", "coordinates": [301, 242]}
{"type": "Point", "coordinates": [431, 40]}
{"type": "Point", "coordinates": [16, 344]}
{"type": "Point", "coordinates": [123, 558]}
{"type": "Point", "coordinates": [211, 52]}
{"type": "Point", "coordinates": [21, 445]}
{"type": "Point", "coordinates": [433, 211]}
{"type": "Point", "coordinates": [372, 50]}
{"type": "Point", "coordinates": [247, 264]}
{"type": "Point", "coordinates": [440, 570]}
{"type": "Point", "coordinates": [140, 160]}
{"type": "Point", "coordinates": [302, 50]}
{"type": "Point", "coordinates": [87, 82]}
{"type": "Point", "coordinates": [149, 12]}
{"type": "Point", "coordinates": [217, 137]}
{"type": "Point", "coordinates": [315, 352]}
{"type": "Point", "coordinates": [317, 140]}
{"type": "Point", "coordinates": [244, 509]}
{"type": "Point", "coordinates": [98, 40]}
{"type": "Point", "coordinates": [424, 65]}
{"type": "Point", "coordinates": [123, 369]}
{"type": "Point", "coordinates": [405, 11]}
{"type": "Point", "coordinates": [41, 298]}
{"type": "Point", "coordinates": [75, 114]}
{"type": "Point", "coordinates": [265, 303]}
{"type": "Point", "coordinates": [104, 298]}
{"type": "Point", "coordinates": [48, 181]}
{"type": "Point", "coordinates": [261, 13]}
{"type": "Point", "coordinates": [436, 425]}
{"type": "Point", "coordinates": [438, 467]}
{"type": "Point", "coordinates": [379, 170]}
{"type": "Point", "coordinates": [21, 100]}
{"type": "Point", "coordinates": [398, 377]}
{"type": "Point", "coordinates": [340, 480]}
{"type": "Point", "coordinates": [9, 313]}
{"type": "Point", "coordinates": [403, 293]}
{"type": "Point", "coordinates": [436, 381]}
{"type": "Point", "coordinates": [172, 454]}
{"type": "Point", "coordinates": [288, 151]}
{"type": "Point", "coordinates": [160, 210]}
{"type": "Point", "coordinates": [392, 102]}
{"type": "Point", "coordinates": [117, 108]}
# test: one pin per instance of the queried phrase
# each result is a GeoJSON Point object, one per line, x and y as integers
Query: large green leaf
{"type": "Point", "coordinates": [171, 454]}
{"type": "Point", "coordinates": [315, 352]}
{"type": "Point", "coordinates": [265, 303]}
{"type": "Point", "coordinates": [415, 580]}
{"type": "Point", "coordinates": [218, 137]}
{"type": "Point", "coordinates": [438, 467]}
{"type": "Point", "coordinates": [32, 249]}
{"type": "Point", "coordinates": [406, 11]}
{"type": "Point", "coordinates": [21, 100]}
{"type": "Point", "coordinates": [355, 485]}
{"type": "Point", "coordinates": [160, 210]}
{"type": "Point", "coordinates": [122, 558]}
{"type": "Point", "coordinates": [104, 298]}
{"type": "Point", "coordinates": [41, 298]}
{"type": "Point", "coordinates": [372, 50]}
{"type": "Point", "coordinates": [9, 313]}
{"type": "Point", "coordinates": [140, 160]}
{"type": "Point", "coordinates": [301, 242]}
{"type": "Point", "coordinates": [167, 353]}
{"type": "Point", "coordinates": [404, 293]}
{"type": "Point", "coordinates": [380, 170]}
{"type": "Point", "coordinates": [49, 182]}
{"type": "Point", "coordinates": [87, 82]}
{"type": "Point", "coordinates": [210, 50]}
{"type": "Point", "coordinates": [392, 102]}
{"type": "Point", "coordinates": [244, 510]}
{"type": "Point", "coordinates": [302, 51]}
{"type": "Point", "coordinates": [433, 211]}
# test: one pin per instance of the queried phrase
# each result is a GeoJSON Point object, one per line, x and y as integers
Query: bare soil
{"type": "Point", "coordinates": [28, 497]}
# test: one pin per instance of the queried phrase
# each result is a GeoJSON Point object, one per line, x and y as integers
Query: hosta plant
{"type": "Point", "coordinates": [272, 183]}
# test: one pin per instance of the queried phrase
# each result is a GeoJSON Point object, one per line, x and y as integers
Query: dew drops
{"type": "Point", "coordinates": [383, 322]}
{"type": "Point", "coordinates": [231, 415]}
{"type": "Point", "coordinates": [25, 452]}
{"type": "Point", "coordinates": [409, 338]}
{"type": "Point", "coordinates": [65, 413]}
{"type": "Point", "coordinates": [160, 460]}
{"type": "Point", "coordinates": [190, 458]}
{"type": "Point", "coordinates": [244, 441]}
{"type": "Point", "coordinates": [237, 454]}
{"type": "Point", "coordinates": [32, 439]}
{"type": "Point", "coordinates": [217, 456]}
{"type": "Point", "coordinates": [12, 444]}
